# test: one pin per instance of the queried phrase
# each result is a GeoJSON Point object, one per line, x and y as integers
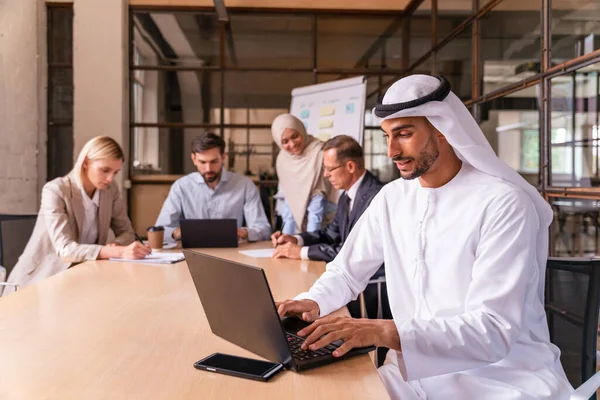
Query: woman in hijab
{"type": "Point", "coordinates": [303, 193]}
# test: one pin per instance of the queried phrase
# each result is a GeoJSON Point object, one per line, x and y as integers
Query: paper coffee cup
{"type": "Point", "coordinates": [156, 235]}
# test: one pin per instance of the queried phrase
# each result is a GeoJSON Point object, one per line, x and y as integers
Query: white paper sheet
{"type": "Point", "coordinates": [260, 253]}
{"type": "Point", "coordinates": [156, 258]}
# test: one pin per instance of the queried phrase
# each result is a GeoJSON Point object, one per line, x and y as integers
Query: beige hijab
{"type": "Point", "coordinates": [300, 176]}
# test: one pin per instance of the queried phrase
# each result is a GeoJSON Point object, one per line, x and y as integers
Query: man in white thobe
{"type": "Point", "coordinates": [464, 241]}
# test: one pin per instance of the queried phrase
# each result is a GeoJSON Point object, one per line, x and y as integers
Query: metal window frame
{"type": "Point", "coordinates": [472, 22]}
{"type": "Point", "coordinates": [54, 66]}
{"type": "Point", "coordinates": [223, 66]}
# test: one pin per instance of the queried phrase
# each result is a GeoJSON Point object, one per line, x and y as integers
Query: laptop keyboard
{"type": "Point", "coordinates": [294, 343]}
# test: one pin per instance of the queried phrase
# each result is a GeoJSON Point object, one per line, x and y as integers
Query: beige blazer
{"type": "Point", "coordinates": [54, 244]}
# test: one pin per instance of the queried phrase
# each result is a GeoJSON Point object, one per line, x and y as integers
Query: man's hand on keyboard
{"type": "Point", "coordinates": [354, 333]}
{"type": "Point", "coordinates": [307, 310]}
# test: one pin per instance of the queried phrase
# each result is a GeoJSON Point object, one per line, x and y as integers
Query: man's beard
{"type": "Point", "coordinates": [211, 178]}
{"type": "Point", "coordinates": [427, 157]}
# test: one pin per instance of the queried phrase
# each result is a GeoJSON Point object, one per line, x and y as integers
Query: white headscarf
{"type": "Point", "coordinates": [301, 176]}
{"type": "Point", "coordinates": [454, 121]}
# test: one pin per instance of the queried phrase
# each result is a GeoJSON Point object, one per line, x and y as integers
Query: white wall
{"type": "Point", "coordinates": [101, 100]}
{"type": "Point", "coordinates": [22, 105]}
{"type": "Point", "coordinates": [148, 139]}
{"type": "Point", "coordinates": [509, 142]}
{"type": "Point", "coordinates": [100, 73]}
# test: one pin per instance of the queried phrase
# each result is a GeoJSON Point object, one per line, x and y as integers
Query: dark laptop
{"type": "Point", "coordinates": [202, 233]}
{"type": "Point", "coordinates": [239, 307]}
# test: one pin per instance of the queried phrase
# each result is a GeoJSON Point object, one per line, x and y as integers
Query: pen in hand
{"type": "Point", "coordinates": [147, 248]}
{"type": "Point", "coordinates": [139, 239]}
{"type": "Point", "coordinates": [282, 228]}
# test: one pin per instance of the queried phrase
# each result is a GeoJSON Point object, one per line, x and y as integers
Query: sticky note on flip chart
{"type": "Point", "coordinates": [326, 111]}
{"type": "Point", "coordinates": [323, 136]}
{"type": "Point", "coordinates": [325, 123]}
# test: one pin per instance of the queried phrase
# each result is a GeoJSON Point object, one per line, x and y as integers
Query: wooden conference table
{"type": "Point", "coordinates": [118, 330]}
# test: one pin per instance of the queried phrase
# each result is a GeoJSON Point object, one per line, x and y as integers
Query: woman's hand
{"type": "Point", "coordinates": [135, 251]}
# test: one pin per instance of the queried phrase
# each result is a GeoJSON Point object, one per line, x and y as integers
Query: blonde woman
{"type": "Point", "coordinates": [75, 215]}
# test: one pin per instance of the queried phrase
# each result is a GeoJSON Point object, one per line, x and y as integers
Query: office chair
{"type": "Point", "coordinates": [572, 306]}
{"type": "Point", "coordinates": [15, 231]}
{"type": "Point", "coordinates": [383, 309]}
{"type": "Point", "coordinates": [5, 284]}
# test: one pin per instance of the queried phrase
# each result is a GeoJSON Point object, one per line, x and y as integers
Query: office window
{"type": "Point", "coordinates": [420, 32]}
{"type": "Point", "coordinates": [575, 230]}
{"type": "Point", "coordinates": [60, 91]}
{"type": "Point", "coordinates": [530, 151]}
{"type": "Point", "coordinates": [457, 8]}
{"type": "Point", "coordinates": [186, 97]}
{"type": "Point", "coordinates": [355, 42]}
{"type": "Point", "coordinates": [575, 29]}
{"type": "Point", "coordinates": [454, 62]}
{"type": "Point", "coordinates": [511, 125]}
{"type": "Point", "coordinates": [376, 158]}
{"type": "Point", "coordinates": [175, 39]}
{"type": "Point", "coordinates": [191, 73]}
{"type": "Point", "coordinates": [510, 43]}
{"type": "Point", "coordinates": [575, 122]}
{"type": "Point", "coordinates": [273, 41]}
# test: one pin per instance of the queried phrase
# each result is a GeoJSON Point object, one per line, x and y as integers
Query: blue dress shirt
{"type": "Point", "coordinates": [235, 196]}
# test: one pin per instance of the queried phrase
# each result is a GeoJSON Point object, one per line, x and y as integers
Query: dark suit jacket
{"type": "Point", "coordinates": [325, 244]}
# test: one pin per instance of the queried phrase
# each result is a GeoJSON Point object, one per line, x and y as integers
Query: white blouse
{"type": "Point", "coordinates": [89, 232]}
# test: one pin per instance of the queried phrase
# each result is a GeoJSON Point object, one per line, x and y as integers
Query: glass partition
{"type": "Point", "coordinates": [574, 123]}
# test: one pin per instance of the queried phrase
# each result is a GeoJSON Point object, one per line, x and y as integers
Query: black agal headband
{"type": "Point", "coordinates": [439, 94]}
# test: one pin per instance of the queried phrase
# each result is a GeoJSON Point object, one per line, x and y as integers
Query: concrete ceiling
{"type": "Point", "coordinates": [371, 5]}
{"type": "Point", "coordinates": [377, 5]}
{"type": "Point", "coordinates": [509, 39]}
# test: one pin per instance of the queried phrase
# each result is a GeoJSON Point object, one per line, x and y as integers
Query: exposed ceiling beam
{"type": "Point", "coordinates": [389, 31]}
{"type": "Point", "coordinates": [149, 26]}
{"type": "Point", "coordinates": [333, 6]}
{"type": "Point", "coordinates": [224, 18]}
{"type": "Point", "coordinates": [221, 10]}
{"type": "Point", "coordinates": [411, 7]}
{"type": "Point", "coordinates": [379, 42]}
{"type": "Point", "coordinates": [206, 48]}
{"type": "Point", "coordinates": [176, 38]}
{"type": "Point", "coordinates": [230, 45]}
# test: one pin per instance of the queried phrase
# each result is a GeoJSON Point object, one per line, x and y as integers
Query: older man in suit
{"type": "Point", "coordinates": [344, 166]}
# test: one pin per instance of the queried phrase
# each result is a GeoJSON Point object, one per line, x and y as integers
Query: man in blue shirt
{"type": "Point", "coordinates": [214, 193]}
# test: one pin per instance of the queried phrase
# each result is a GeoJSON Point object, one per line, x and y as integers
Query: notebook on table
{"type": "Point", "coordinates": [155, 258]}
